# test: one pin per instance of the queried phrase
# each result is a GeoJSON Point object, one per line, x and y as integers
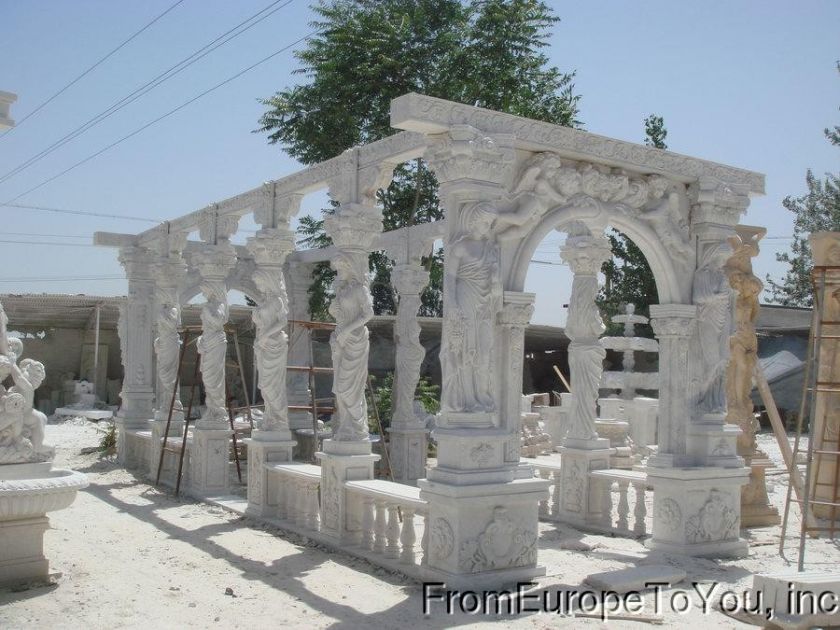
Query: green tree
{"type": "Point", "coordinates": [815, 211]}
{"type": "Point", "coordinates": [366, 52]}
{"type": "Point", "coordinates": [628, 276]}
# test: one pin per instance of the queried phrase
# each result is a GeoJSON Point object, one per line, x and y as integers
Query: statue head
{"type": "Point", "coordinates": [14, 404]}
{"type": "Point", "coordinates": [477, 219]}
{"type": "Point", "coordinates": [15, 346]}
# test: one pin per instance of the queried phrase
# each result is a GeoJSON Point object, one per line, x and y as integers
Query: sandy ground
{"type": "Point", "coordinates": [131, 556]}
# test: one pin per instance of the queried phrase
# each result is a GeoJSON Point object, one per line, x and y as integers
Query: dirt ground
{"type": "Point", "coordinates": [131, 556]}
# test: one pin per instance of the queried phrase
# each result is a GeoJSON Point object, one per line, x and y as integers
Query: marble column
{"type": "Point", "coordinates": [583, 451]}
{"type": "Point", "coordinates": [169, 270]}
{"type": "Point", "coordinates": [210, 452]}
{"type": "Point", "coordinates": [408, 433]}
{"type": "Point", "coordinates": [517, 309]}
{"type": "Point", "coordinates": [474, 494]}
{"type": "Point", "coordinates": [135, 331]}
{"type": "Point", "coordinates": [348, 455]}
{"type": "Point", "coordinates": [826, 250]}
{"type": "Point", "coordinates": [271, 441]}
{"type": "Point", "coordinates": [756, 510]}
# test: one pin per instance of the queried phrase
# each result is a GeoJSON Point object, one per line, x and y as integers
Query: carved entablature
{"type": "Point", "coordinates": [717, 202]}
{"type": "Point", "coordinates": [465, 153]}
{"type": "Point", "coordinates": [354, 226]}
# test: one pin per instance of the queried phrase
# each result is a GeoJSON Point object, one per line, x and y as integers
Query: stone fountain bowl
{"type": "Point", "coordinates": [32, 490]}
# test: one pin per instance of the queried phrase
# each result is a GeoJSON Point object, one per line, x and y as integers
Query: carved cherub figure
{"type": "Point", "coordinates": [28, 377]}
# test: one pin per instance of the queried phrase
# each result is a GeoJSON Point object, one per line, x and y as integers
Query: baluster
{"type": "Point", "coordinates": [640, 512]}
{"type": "Point", "coordinates": [544, 474]}
{"type": "Point", "coordinates": [392, 550]}
{"type": "Point", "coordinates": [606, 503]}
{"type": "Point", "coordinates": [424, 541]}
{"type": "Point", "coordinates": [623, 505]}
{"type": "Point", "coordinates": [408, 537]}
{"type": "Point", "coordinates": [379, 527]}
{"type": "Point", "coordinates": [367, 523]}
{"type": "Point", "coordinates": [555, 496]}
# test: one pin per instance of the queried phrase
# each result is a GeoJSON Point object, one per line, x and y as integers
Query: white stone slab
{"type": "Point", "coordinates": [90, 414]}
{"type": "Point", "coordinates": [636, 578]}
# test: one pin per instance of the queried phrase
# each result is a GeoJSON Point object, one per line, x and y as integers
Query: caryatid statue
{"type": "Point", "coordinates": [271, 346]}
{"type": "Point", "coordinates": [212, 345]}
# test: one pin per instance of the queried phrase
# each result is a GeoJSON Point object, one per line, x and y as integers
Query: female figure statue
{"type": "Point", "coordinates": [472, 278]}
{"type": "Point", "coordinates": [352, 309]}
{"type": "Point", "coordinates": [167, 349]}
{"type": "Point", "coordinates": [271, 347]}
{"type": "Point", "coordinates": [212, 345]}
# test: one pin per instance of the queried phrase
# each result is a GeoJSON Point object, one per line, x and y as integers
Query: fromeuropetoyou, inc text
{"type": "Point", "coordinates": [658, 599]}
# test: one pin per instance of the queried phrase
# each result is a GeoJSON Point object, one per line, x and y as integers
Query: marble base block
{"type": "Point", "coordinates": [209, 459]}
{"type": "Point", "coordinates": [580, 501]}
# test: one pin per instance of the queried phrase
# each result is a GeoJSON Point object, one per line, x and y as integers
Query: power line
{"type": "Point", "coordinates": [61, 278]}
{"type": "Point", "coordinates": [76, 212]}
{"type": "Point", "coordinates": [158, 119]}
{"type": "Point", "coordinates": [11, 242]}
{"type": "Point", "coordinates": [148, 87]}
{"type": "Point", "coordinates": [88, 71]}
{"type": "Point", "coordinates": [47, 235]}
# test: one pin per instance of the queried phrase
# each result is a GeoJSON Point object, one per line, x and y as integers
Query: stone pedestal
{"type": "Point", "coordinates": [343, 461]}
{"type": "Point", "coordinates": [209, 459]}
{"type": "Point", "coordinates": [580, 501]}
{"type": "Point", "coordinates": [266, 447]}
{"type": "Point", "coordinates": [713, 443]}
{"type": "Point", "coordinates": [22, 542]}
{"type": "Point", "coordinates": [696, 511]}
{"type": "Point", "coordinates": [483, 535]}
{"type": "Point", "coordinates": [756, 510]}
{"type": "Point", "coordinates": [407, 452]}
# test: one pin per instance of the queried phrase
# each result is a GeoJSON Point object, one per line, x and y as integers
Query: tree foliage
{"type": "Point", "coordinates": [815, 211]}
{"type": "Point", "coordinates": [628, 276]}
{"type": "Point", "coordinates": [366, 52]}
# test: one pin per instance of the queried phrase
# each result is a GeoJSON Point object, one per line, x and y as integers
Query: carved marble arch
{"type": "Point", "coordinates": [191, 288]}
{"type": "Point", "coordinates": [517, 254]}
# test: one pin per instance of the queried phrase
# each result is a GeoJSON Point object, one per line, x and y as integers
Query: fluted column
{"type": "Point", "coordinates": [514, 318]}
{"type": "Point", "coordinates": [408, 427]}
{"type": "Point", "coordinates": [135, 331]}
{"type": "Point", "coordinates": [673, 325]}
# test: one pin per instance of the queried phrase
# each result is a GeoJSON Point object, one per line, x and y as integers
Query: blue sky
{"type": "Point", "coordinates": [745, 83]}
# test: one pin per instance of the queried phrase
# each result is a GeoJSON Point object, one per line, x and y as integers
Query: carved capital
{"type": "Point", "coordinates": [354, 227]}
{"type": "Point", "coordinates": [137, 262]}
{"type": "Point", "coordinates": [517, 309]}
{"type": "Point", "coordinates": [409, 279]}
{"type": "Point", "coordinates": [465, 153]}
{"type": "Point", "coordinates": [271, 246]}
{"type": "Point", "coordinates": [585, 254]}
{"type": "Point", "coordinates": [213, 262]}
{"type": "Point", "coordinates": [673, 320]}
{"type": "Point", "coordinates": [826, 248]}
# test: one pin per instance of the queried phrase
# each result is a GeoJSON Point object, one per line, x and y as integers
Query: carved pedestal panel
{"type": "Point", "coordinates": [483, 536]}
{"type": "Point", "coordinates": [262, 499]}
{"type": "Point", "coordinates": [209, 458]}
{"type": "Point", "coordinates": [407, 451]}
{"type": "Point", "coordinates": [697, 511]}
{"type": "Point", "coordinates": [343, 460]}
{"type": "Point", "coordinates": [580, 501]}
